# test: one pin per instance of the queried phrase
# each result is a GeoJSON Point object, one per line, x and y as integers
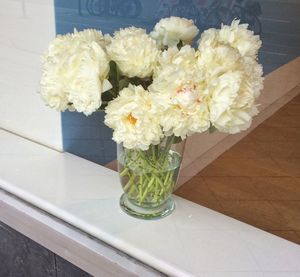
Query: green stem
{"type": "Point", "coordinates": [129, 182]}
{"type": "Point", "coordinates": [147, 189]}
{"type": "Point", "coordinates": [166, 179]}
{"type": "Point", "coordinates": [167, 148]}
{"type": "Point", "coordinates": [146, 160]}
{"type": "Point", "coordinates": [153, 152]}
{"type": "Point", "coordinates": [124, 172]}
{"type": "Point", "coordinates": [146, 173]}
{"type": "Point", "coordinates": [133, 188]}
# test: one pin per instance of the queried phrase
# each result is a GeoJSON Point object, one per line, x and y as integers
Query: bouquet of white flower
{"type": "Point", "coordinates": [156, 90]}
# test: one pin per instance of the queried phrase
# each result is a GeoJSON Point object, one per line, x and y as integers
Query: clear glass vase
{"type": "Point", "coordinates": [149, 177]}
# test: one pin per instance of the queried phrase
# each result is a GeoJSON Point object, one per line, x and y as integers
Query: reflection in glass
{"type": "Point", "coordinates": [204, 13]}
{"type": "Point", "coordinates": [126, 8]}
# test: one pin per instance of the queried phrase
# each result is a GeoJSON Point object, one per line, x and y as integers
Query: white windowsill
{"type": "Point", "coordinates": [193, 241]}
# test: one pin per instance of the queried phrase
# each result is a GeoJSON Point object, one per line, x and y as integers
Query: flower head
{"type": "Point", "coordinates": [90, 35]}
{"type": "Point", "coordinates": [232, 83]}
{"type": "Point", "coordinates": [178, 93]}
{"type": "Point", "coordinates": [75, 69]}
{"type": "Point", "coordinates": [134, 52]}
{"type": "Point", "coordinates": [170, 31]}
{"type": "Point", "coordinates": [133, 120]}
{"type": "Point", "coordinates": [235, 35]}
{"type": "Point", "coordinates": [241, 38]}
{"type": "Point", "coordinates": [183, 59]}
{"type": "Point", "coordinates": [214, 61]}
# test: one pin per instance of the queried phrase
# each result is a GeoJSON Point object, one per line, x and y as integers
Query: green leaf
{"type": "Point", "coordinates": [112, 73]}
{"type": "Point", "coordinates": [123, 83]}
{"type": "Point", "coordinates": [114, 76]}
{"type": "Point", "coordinates": [179, 45]}
{"type": "Point", "coordinates": [177, 140]}
{"type": "Point", "coordinates": [108, 95]}
{"type": "Point", "coordinates": [212, 129]}
{"type": "Point", "coordinates": [135, 81]}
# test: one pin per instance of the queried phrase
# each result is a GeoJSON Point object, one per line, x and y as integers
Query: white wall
{"type": "Point", "coordinates": [26, 27]}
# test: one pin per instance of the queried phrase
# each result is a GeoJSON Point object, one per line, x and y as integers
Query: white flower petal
{"type": "Point", "coordinates": [75, 70]}
{"type": "Point", "coordinates": [133, 119]}
{"type": "Point", "coordinates": [169, 31]}
{"type": "Point", "coordinates": [134, 52]}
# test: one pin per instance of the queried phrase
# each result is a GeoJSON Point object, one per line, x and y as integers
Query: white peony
{"type": "Point", "coordinates": [133, 120]}
{"type": "Point", "coordinates": [232, 83]}
{"type": "Point", "coordinates": [170, 31]}
{"type": "Point", "coordinates": [214, 61]}
{"type": "Point", "coordinates": [92, 35]}
{"type": "Point", "coordinates": [209, 39]}
{"type": "Point", "coordinates": [223, 91]}
{"type": "Point", "coordinates": [235, 120]}
{"type": "Point", "coordinates": [183, 59]}
{"type": "Point", "coordinates": [236, 35]}
{"type": "Point", "coordinates": [75, 70]}
{"type": "Point", "coordinates": [134, 52]}
{"type": "Point", "coordinates": [178, 94]}
{"type": "Point", "coordinates": [254, 71]}
{"type": "Point", "coordinates": [241, 38]}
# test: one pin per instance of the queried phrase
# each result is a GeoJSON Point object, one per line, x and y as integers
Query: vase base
{"type": "Point", "coordinates": [146, 213]}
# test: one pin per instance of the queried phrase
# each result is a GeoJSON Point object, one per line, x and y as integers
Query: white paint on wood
{"type": "Point", "coordinates": [192, 241]}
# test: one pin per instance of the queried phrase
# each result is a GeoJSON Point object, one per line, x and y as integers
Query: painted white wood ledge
{"type": "Point", "coordinates": [193, 241]}
{"type": "Point", "coordinates": [88, 253]}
